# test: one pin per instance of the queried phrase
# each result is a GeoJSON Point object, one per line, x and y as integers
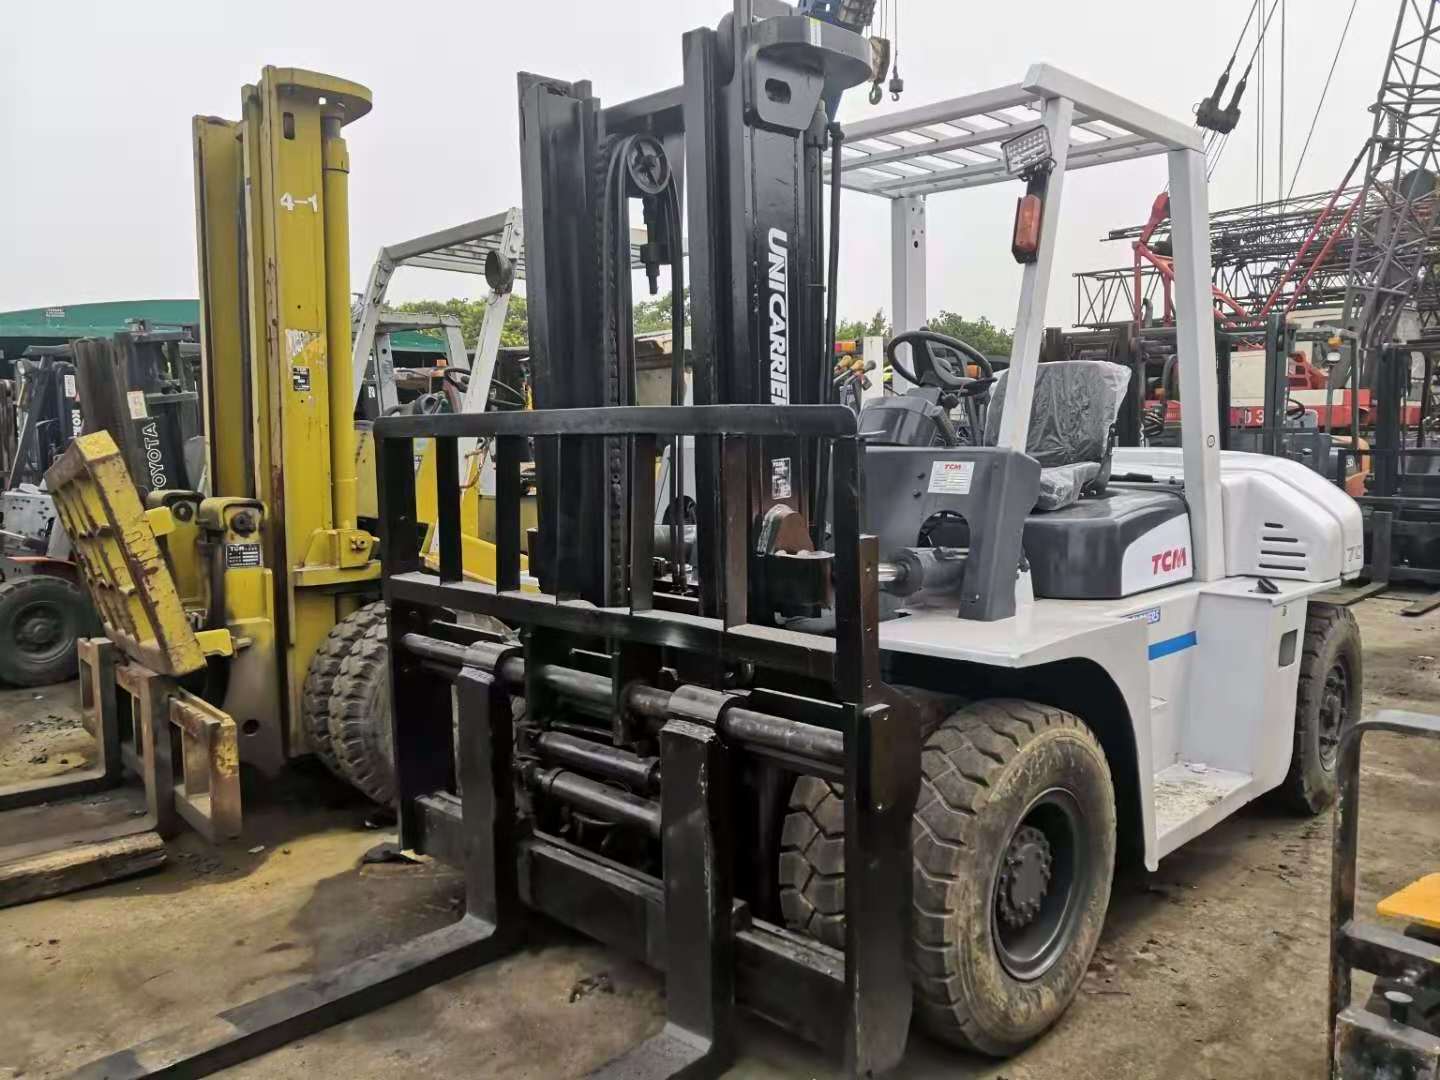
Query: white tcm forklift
{"type": "Point", "coordinates": [1157, 660]}
{"type": "Point", "coordinates": [862, 739]}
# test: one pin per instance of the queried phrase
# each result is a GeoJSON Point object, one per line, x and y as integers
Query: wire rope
{"type": "Point", "coordinates": [1335, 60]}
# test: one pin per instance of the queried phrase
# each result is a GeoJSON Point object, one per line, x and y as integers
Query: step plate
{"type": "Point", "coordinates": [1189, 798]}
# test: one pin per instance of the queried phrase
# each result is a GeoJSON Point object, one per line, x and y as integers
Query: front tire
{"type": "Point", "coordinates": [812, 861]}
{"type": "Point", "coordinates": [1014, 847]}
{"type": "Point", "coordinates": [1014, 850]}
{"type": "Point", "coordinates": [359, 717]}
{"type": "Point", "coordinates": [812, 843]}
{"type": "Point", "coordinates": [1328, 700]}
{"type": "Point", "coordinates": [325, 669]}
{"type": "Point", "coordinates": [42, 618]}
{"type": "Point", "coordinates": [359, 712]}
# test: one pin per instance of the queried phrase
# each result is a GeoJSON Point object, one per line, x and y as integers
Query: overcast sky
{"type": "Point", "coordinates": [96, 192]}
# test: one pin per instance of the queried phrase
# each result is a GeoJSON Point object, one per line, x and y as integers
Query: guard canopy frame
{"type": "Point", "coordinates": [953, 145]}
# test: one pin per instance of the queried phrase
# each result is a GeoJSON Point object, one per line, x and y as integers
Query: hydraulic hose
{"type": "Point", "coordinates": [832, 309]}
{"type": "Point", "coordinates": [832, 274]}
{"type": "Point", "coordinates": [618, 333]}
{"type": "Point", "coordinates": [677, 383]}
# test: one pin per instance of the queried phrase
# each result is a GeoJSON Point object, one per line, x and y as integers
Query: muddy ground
{"type": "Point", "coordinates": [1212, 969]}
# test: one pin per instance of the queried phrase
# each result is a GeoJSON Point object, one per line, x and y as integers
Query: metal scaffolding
{"type": "Point", "coordinates": [1369, 247]}
{"type": "Point", "coordinates": [1292, 255]}
{"type": "Point", "coordinates": [1396, 235]}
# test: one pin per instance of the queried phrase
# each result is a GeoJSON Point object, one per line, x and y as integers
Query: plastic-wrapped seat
{"type": "Point", "coordinates": [1072, 424]}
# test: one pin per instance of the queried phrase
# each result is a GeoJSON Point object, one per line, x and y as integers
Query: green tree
{"type": "Point", "coordinates": [981, 332]}
{"type": "Point", "coordinates": [855, 329]}
{"type": "Point", "coordinates": [471, 314]}
{"type": "Point", "coordinates": [653, 316]}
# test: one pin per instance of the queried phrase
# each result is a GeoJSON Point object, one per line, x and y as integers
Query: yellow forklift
{"type": "Point", "coordinates": [279, 405]}
{"type": "Point", "coordinates": [232, 620]}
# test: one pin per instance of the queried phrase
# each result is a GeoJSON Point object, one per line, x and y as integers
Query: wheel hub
{"type": "Point", "coordinates": [1333, 704]}
{"type": "Point", "coordinates": [1024, 876]}
{"type": "Point", "coordinates": [38, 628]}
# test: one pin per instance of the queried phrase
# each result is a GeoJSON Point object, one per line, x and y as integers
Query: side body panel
{"type": "Point", "coordinates": [1208, 673]}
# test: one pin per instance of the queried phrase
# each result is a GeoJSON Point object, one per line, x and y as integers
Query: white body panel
{"type": "Point", "coordinates": [1195, 732]}
{"type": "Point", "coordinates": [1320, 535]}
{"type": "Point", "coordinates": [1207, 669]}
{"type": "Point", "coordinates": [1160, 557]}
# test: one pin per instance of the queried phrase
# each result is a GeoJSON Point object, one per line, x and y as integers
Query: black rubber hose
{"type": "Point", "coordinates": [677, 298]}
{"type": "Point", "coordinates": [1169, 379]}
{"type": "Point", "coordinates": [619, 328]}
{"type": "Point", "coordinates": [613, 211]}
{"type": "Point", "coordinates": [832, 293]}
{"type": "Point", "coordinates": [832, 309]}
{"type": "Point", "coordinates": [677, 382]}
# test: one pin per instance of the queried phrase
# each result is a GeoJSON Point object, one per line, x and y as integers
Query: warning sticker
{"type": "Point", "coordinates": [301, 344]}
{"type": "Point", "coordinates": [300, 378]}
{"type": "Point", "coordinates": [70, 390]}
{"type": "Point", "coordinates": [241, 555]}
{"type": "Point", "coordinates": [136, 401]}
{"type": "Point", "coordinates": [951, 477]}
{"type": "Point", "coordinates": [780, 478]}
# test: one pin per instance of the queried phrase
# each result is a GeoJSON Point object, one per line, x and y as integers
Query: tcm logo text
{"type": "Point", "coordinates": [1166, 562]}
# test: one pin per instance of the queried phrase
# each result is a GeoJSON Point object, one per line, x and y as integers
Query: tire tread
{"type": "Point", "coordinates": [1298, 792]}
{"type": "Point", "coordinates": [324, 670]}
{"type": "Point", "coordinates": [978, 742]}
{"type": "Point", "coordinates": [360, 747]}
{"type": "Point", "coordinates": [962, 762]}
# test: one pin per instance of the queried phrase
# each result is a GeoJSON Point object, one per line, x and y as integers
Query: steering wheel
{"type": "Point", "coordinates": [928, 362]}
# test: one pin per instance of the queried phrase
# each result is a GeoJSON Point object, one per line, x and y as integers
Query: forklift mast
{"type": "Point", "coordinates": [747, 129]}
{"type": "Point", "coordinates": [49, 409]}
{"type": "Point", "coordinates": [272, 222]}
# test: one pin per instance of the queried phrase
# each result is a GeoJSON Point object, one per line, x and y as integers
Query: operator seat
{"type": "Point", "coordinates": [1072, 426]}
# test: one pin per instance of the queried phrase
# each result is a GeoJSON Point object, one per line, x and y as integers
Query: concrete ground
{"type": "Point", "coordinates": [1214, 967]}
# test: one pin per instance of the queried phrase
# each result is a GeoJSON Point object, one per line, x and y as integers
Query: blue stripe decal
{"type": "Point", "coordinates": [1172, 645]}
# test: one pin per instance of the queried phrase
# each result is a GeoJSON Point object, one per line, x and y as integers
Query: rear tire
{"type": "Point", "coordinates": [325, 669]}
{"type": "Point", "coordinates": [42, 617]}
{"type": "Point", "coordinates": [1328, 700]}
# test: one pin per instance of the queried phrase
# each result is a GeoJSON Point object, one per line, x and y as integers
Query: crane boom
{"type": "Point", "coordinates": [1396, 223]}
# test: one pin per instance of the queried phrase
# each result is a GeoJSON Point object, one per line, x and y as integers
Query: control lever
{"type": "Point", "coordinates": [976, 387]}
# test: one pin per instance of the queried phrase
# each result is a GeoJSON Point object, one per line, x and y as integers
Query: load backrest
{"type": "Point", "coordinates": [120, 558]}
